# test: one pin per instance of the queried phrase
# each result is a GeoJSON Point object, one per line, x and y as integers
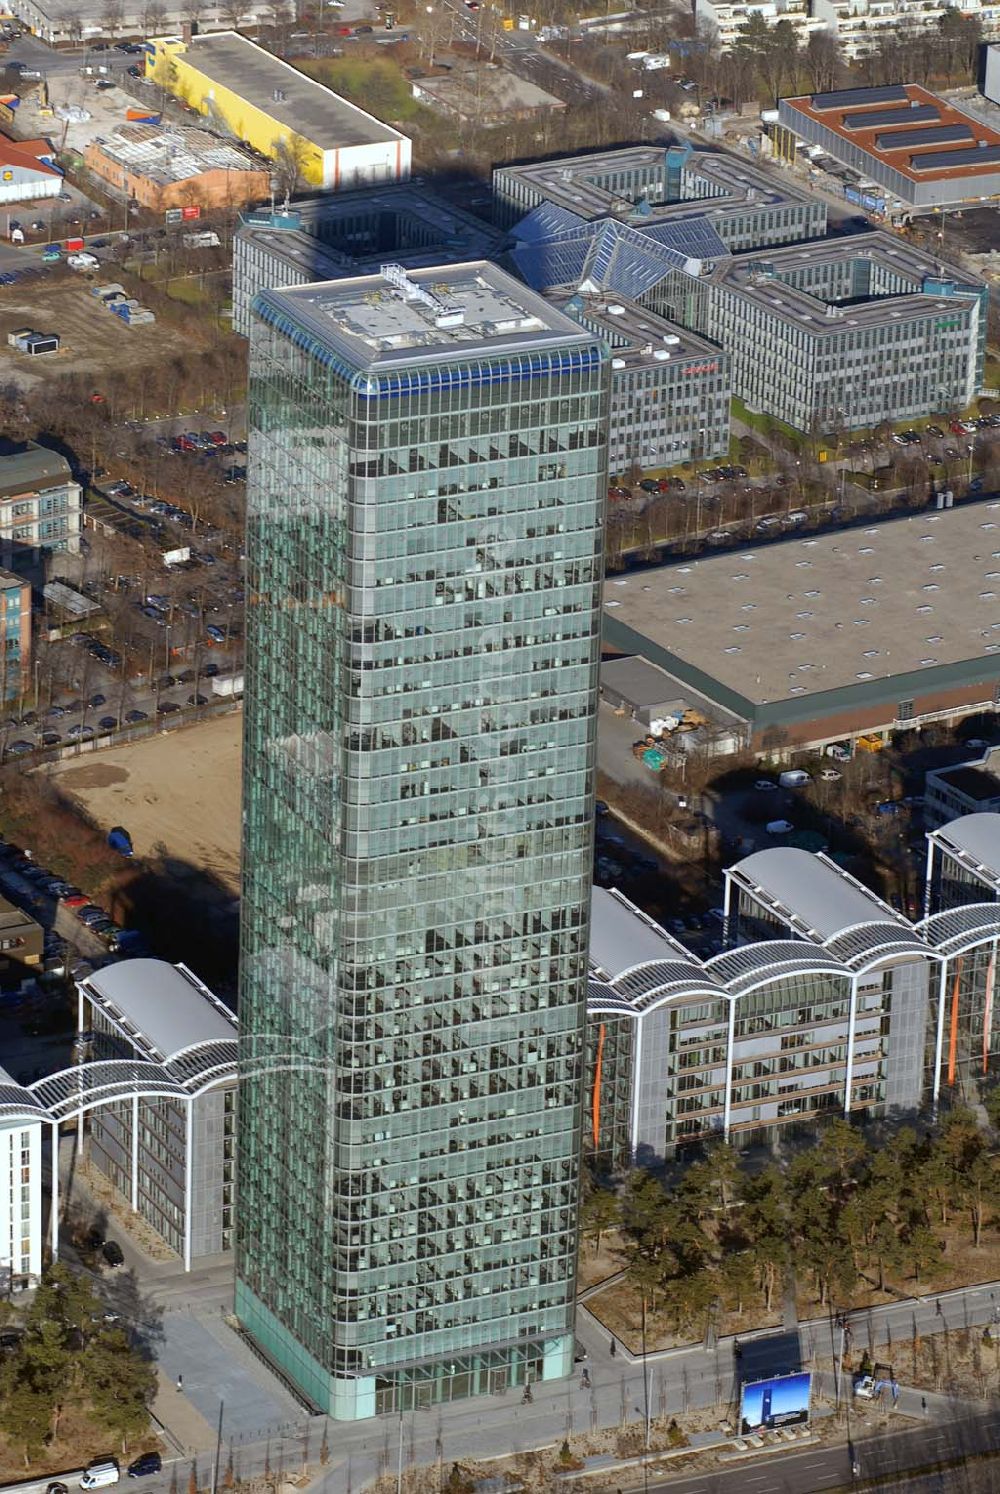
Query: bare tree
{"type": "Point", "coordinates": [231, 11]}
{"type": "Point", "coordinates": [288, 155]}
{"type": "Point", "coordinates": [824, 60]}
{"type": "Point", "coordinates": [154, 17]}
{"type": "Point", "coordinates": [112, 15]}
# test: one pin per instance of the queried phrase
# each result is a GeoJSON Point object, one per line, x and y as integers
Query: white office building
{"type": "Point", "coordinates": [20, 1187]}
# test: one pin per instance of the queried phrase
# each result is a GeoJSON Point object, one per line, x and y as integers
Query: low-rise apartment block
{"type": "Point", "coordinates": [15, 636]}
{"type": "Point", "coordinates": [40, 503]}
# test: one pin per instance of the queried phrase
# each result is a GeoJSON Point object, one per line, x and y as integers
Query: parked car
{"type": "Point", "coordinates": [113, 1253]}
{"type": "Point", "coordinates": [146, 1463]}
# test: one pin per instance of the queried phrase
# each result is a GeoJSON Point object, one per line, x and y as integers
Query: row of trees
{"type": "Point", "coordinates": [70, 1360]}
{"type": "Point", "coordinates": [844, 1214]}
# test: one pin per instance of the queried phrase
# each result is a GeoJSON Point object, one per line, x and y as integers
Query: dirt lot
{"type": "Point", "coordinates": [177, 794]}
{"type": "Point", "coordinates": [92, 338]}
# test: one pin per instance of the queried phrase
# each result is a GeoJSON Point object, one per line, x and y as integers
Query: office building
{"type": "Point", "coordinates": [827, 1001]}
{"type": "Point", "coordinates": [963, 862]}
{"type": "Point", "coordinates": [162, 167]}
{"type": "Point", "coordinates": [425, 511]}
{"type": "Point", "coordinates": [168, 1145]}
{"type": "Point", "coordinates": [670, 389]}
{"type": "Point", "coordinates": [306, 128]}
{"type": "Point", "coordinates": [40, 503]}
{"type": "Point", "coordinates": [837, 333]}
{"type": "Point", "coordinates": [842, 334]}
{"type": "Point", "coordinates": [329, 237]}
{"type": "Point", "coordinates": [971, 787]}
{"type": "Point", "coordinates": [20, 1188]}
{"type": "Point", "coordinates": [648, 187]}
{"type": "Point", "coordinates": [814, 641]}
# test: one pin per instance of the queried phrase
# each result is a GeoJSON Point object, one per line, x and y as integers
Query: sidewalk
{"type": "Point", "coordinates": [186, 1430]}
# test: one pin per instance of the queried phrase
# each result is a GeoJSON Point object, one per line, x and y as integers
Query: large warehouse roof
{"type": "Point", "coordinates": [850, 610]}
{"type": "Point", "coordinates": [281, 91]}
{"type": "Point", "coordinates": [894, 125]}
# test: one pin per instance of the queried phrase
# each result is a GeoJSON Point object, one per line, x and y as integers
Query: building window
{"type": "Point", "coordinates": [904, 710]}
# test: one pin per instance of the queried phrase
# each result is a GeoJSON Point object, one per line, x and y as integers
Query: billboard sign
{"type": "Point", "coordinates": [778, 1402]}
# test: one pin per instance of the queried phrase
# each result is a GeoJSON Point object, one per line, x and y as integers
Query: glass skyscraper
{"type": "Point", "coordinates": [425, 540]}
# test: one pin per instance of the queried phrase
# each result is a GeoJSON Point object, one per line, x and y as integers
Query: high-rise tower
{"type": "Point", "coordinates": [425, 539]}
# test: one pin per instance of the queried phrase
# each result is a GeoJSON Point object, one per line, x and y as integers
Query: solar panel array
{"type": "Point", "coordinates": [876, 118]}
{"type": "Point", "coordinates": [897, 139]}
{"type": "Point", "coordinates": [849, 98]}
{"type": "Point", "coordinates": [939, 160]}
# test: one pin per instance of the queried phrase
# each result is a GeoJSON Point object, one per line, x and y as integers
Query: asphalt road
{"type": "Point", "coordinates": [878, 1459]}
{"type": "Point", "coordinates": [528, 59]}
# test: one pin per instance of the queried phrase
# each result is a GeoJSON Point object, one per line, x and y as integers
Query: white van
{"type": "Point", "coordinates": [794, 778]}
{"type": "Point", "coordinates": [99, 1473]}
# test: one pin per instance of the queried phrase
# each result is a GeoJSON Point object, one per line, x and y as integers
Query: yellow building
{"type": "Point", "coordinates": [279, 111]}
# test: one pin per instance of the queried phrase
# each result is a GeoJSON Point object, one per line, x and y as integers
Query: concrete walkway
{"type": "Point", "coordinates": [184, 1428]}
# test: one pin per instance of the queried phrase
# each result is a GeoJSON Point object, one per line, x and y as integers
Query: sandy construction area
{"type": "Point", "coordinates": [177, 794]}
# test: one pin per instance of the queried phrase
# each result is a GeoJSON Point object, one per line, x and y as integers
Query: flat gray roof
{"type": "Point", "coordinates": [295, 236]}
{"type": "Point", "coordinates": [414, 316]}
{"type": "Point", "coordinates": [812, 894]}
{"type": "Point", "coordinates": [757, 276]}
{"type": "Point", "coordinates": [639, 337]}
{"type": "Point", "coordinates": [308, 108]}
{"type": "Point", "coordinates": [589, 185]}
{"type": "Point", "coordinates": [638, 681]}
{"type": "Point", "coordinates": [804, 617]}
{"type": "Point", "coordinates": [162, 1009]}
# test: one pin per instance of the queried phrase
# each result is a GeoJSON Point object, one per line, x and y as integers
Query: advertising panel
{"type": "Point", "coordinates": [778, 1402]}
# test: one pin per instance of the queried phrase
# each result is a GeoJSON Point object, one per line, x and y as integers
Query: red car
{"type": "Point", "coordinates": [217, 438]}
{"type": "Point", "coordinates": [184, 443]}
{"type": "Point", "coordinates": [76, 901]}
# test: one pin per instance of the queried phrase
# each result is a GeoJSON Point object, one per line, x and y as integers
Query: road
{"type": "Point", "coordinates": [523, 55]}
{"type": "Point", "coordinates": [878, 1459]}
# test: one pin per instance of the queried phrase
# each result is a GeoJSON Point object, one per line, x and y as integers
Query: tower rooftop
{"type": "Point", "coordinates": [443, 311]}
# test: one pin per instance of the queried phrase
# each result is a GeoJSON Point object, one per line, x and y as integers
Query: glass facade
{"type": "Point", "coordinates": [423, 626]}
